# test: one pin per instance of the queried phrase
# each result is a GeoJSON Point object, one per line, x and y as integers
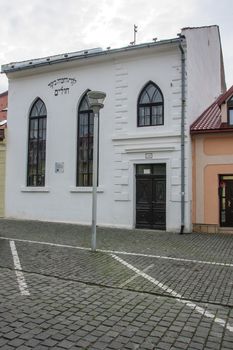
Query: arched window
{"type": "Point", "coordinates": [37, 144]}
{"type": "Point", "coordinates": [150, 106]}
{"type": "Point", "coordinates": [85, 143]}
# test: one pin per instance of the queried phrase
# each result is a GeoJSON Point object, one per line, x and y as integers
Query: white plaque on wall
{"type": "Point", "coordinates": [59, 167]}
{"type": "Point", "coordinates": [148, 155]}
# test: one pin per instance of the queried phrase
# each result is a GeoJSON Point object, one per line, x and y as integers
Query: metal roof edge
{"type": "Point", "coordinates": [213, 131]}
{"type": "Point", "coordinates": [83, 54]}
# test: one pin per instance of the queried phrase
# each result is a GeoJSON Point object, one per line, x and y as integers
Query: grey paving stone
{"type": "Point", "coordinates": [32, 343]}
{"type": "Point", "coordinates": [41, 347]}
{"type": "Point", "coordinates": [58, 336]}
{"type": "Point", "coordinates": [82, 343]}
{"type": "Point", "coordinates": [66, 344]}
{"type": "Point", "coordinates": [3, 341]}
{"type": "Point", "coordinates": [115, 345]}
{"type": "Point", "coordinates": [16, 342]}
{"type": "Point", "coordinates": [147, 346]}
{"type": "Point", "coordinates": [8, 347]}
{"type": "Point", "coordinates": [11, 335]}
{"type": "Point", "coordinates": [76, 301]}
{"type": "Point", "coordinates": [50, 343]}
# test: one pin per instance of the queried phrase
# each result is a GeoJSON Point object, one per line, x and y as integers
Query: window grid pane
{"type": "Point", "coordinates": [144, 116]}
{"type": "Point", "coordinates": [157, 117]}
{"type": "Point", "coordinates": [150, 106]}
{"type": "Point", "coordinates": [37, 145]}
{"type": "Point", "coordinates": [85, 144]}
{"type": "Point", "coordinates": [231, 116]}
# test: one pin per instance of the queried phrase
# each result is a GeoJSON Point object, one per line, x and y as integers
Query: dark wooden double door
{"type": "Point", "coordinates": [151, 201]}
{"type": "Point", "coordinates": [226, 201]}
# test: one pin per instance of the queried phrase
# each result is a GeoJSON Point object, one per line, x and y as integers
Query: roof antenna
{"type": "Point", "coordinates": [135, 30]}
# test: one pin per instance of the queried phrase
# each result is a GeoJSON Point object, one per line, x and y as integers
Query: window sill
{"type": "Point", "coordinates": [80, 189]}
{"type": "Point", "coordinates": [35, 189]}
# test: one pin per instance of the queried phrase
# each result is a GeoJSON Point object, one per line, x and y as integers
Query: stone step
{"type": "Point", "coordinates": [226, 230]}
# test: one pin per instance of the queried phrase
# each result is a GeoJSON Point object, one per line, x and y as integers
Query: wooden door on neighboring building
{"type": "Point", "coordinates": [2, 177]}
{"type": "Point", "coordinates": [151, 196]}
{"type": "Point", "coordinates": [226, 200]}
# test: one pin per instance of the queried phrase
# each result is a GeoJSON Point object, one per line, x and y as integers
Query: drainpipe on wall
{"type": "Point", "coordinates": [182, 145]}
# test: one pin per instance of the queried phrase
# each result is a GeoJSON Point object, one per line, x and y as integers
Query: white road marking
{"type": "Point", "coordinates": [24, 290]}
{"type": "Point", "coordinates": [45, 243]}
{"type": "Point", "coordinates": [135, 276]}
{"type": "Point", "coordinates": [121, 252]}
{"type": "Point", "coordinates": [169, 258]}
{"type": "Point", "coordinates": [178, 296]}
{"type": "Point", "coordinates": [18, 270]}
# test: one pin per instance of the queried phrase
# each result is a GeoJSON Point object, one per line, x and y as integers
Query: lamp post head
{"type": "Point", "coordinates": [96, 100]}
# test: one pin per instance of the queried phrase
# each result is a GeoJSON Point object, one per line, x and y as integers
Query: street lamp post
{"type": "Point", "coordinates": [96, 101]}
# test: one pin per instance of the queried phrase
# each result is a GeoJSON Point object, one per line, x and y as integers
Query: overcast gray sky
{"type": "Point", "coordinates": [37, 28]}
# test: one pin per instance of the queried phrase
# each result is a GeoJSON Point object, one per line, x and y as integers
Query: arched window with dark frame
{"type": "Point", "coordinates": [37, 144]}
{"type": "Point", "coordinates": [85, 143]}
{"type": "Point", "coordinates": [150, 106]}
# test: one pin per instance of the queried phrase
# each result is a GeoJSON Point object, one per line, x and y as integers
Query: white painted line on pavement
{"type": "Point", "coordinates": [135, 276]}
{"type": "Point", "coordinates": [45, 243]}
{"type": "Point", "coordinates": [166, 257]}
{"type": "Point", "coordinates": [18, 270]}
{"type": "Point", "coordinates": [121, 252]}
{"type": "Point", "coordinates": [178, 296]}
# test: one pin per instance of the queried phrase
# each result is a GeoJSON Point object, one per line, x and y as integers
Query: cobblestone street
{"type": "Point", "coordinates": [140, 290]}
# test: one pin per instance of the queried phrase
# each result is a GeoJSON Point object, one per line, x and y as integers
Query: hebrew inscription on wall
{"type": "Point", "coordinates": [61, 86]}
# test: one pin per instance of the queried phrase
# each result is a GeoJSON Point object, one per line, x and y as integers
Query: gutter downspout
{"type": "Point", "coordinates": [182, 144]}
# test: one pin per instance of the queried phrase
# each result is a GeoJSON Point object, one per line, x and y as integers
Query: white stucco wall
{"type": "Point", "coordinates": [122, 144]}
{"type": "Point", "coordinates": [204, 68]}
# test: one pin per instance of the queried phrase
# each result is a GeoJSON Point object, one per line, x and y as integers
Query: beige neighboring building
{"type": "Point", "coordinates": [212, 149]}
{"type": "Point", "coordinates": [3, 117]}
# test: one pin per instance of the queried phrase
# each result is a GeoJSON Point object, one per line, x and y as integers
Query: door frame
{"type": "Point", "coordinates": [220, 196]}
{"type": "Point", "coordinates": [165, 161]}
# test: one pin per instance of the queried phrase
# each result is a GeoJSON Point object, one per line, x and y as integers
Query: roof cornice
{"type": "Point", "coordinates": [81, 55]}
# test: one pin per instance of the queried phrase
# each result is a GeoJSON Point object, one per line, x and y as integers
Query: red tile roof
{"type": "Point", "coordinates": [210, 120]}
